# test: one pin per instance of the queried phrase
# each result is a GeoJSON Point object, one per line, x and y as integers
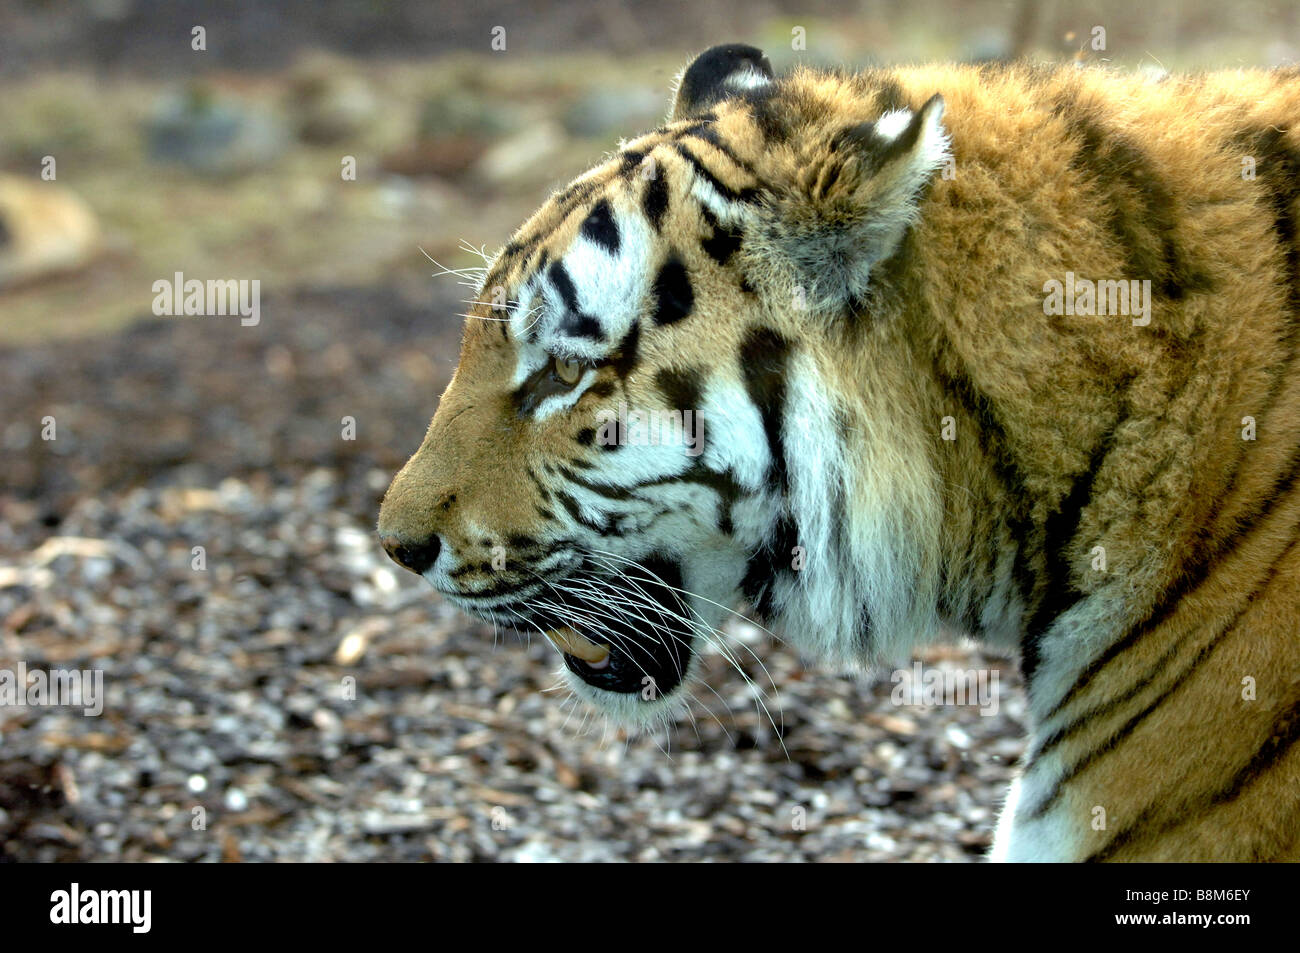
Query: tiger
{"type": "Point", "coordinates": [1003, 350]}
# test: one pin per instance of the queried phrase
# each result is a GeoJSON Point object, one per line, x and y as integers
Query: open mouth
{"type": "Point", "coordinates": [626, 634]}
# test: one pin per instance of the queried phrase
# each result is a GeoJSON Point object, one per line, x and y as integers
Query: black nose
{"type": "Point", "coordinates": [416, 557]}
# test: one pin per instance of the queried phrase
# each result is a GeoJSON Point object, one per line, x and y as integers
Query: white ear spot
{"type": "Point", "coordinates": [892, 123]}
{"type": "Point", "coordinates": [748, 79]}
{"type": "Point", "coordinates": [932, 144]}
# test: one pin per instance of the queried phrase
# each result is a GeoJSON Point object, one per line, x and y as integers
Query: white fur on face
{"type": "Point", "coordinates": [611, 288]}
{"type": "Point", "coordinates": [733, 433]}
{"type": "Point", "coordinates": [821, 614]}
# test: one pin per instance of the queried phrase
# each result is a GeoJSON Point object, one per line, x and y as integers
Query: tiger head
{"type": "Point", "coordinates": [674, 394]}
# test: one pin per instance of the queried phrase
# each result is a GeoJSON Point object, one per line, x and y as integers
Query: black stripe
{"type": "Point", "coordinates": [1284, 736]}
{"type": "Point", "coordinates": [723, 240]}
{"type": "Point", "coordinates": [631, 159]}
{"type": "Point", "coordinates": [724, 484]}
{"type": "Point", "coordinates": [770, 113]}
{"type": "Point", "coordinates": [1178, 681]}
{"type": "Point", "coordinates": [1060, 530]}
{"type": "Point", "coordinates": [544, 493]}
{"type": "Point", "coordinates": [1278, 167]}
{"type": "Point", "coordinates": [1142, 213]}
{"type": "Point", "coordinates": [625, 357]}
{"type": "Point", "coordinates": [995, 447]}
{"type": "Point", "coordinates": [747, 194]}
{"type": "Point", "coordinates": [575, 323]}
{"type": "Point", "coordinates": [609, 491]}
{"type": "Point", "coordinates": [674, 297]}
{"type": "Point", "coordinates": [518, 246]}
{"type": "Point", "coordinates": [501, 586]}
{"type": "Point", "coordinates": [654, 201]}
{"type": "Point", "coordinates": [708, 132]}
{"type": "Point", "coordinates": [1208, 553]}
{"type": "Point", "coordinates": [578, 325]}
{"type": "Point", "coordinates": [575, 512]}
{"type": "Point", "coordinates": [563, 284]}
{"type": "Point", "coordinates": [682, 389]}
{"type": "Point", "coordinates": [1111, 704]}
{"type": "Point", "coordinates": [764, 366]}
{"type": "Point", "coordinates": [1115, 737]}
{"type": "Point", "coordinates": [573, 194]}
{"type": "Point", "coordinates": [772, 559]}
{"type": "Point", "coordinates": [599, 227]}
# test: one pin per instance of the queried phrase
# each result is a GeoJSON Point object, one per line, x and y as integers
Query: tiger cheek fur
{"type": "Point", "coordinates": [835, 291]}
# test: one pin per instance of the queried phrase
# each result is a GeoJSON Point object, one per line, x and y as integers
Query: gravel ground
{"type": "Point", "coordinates": [316, 703]}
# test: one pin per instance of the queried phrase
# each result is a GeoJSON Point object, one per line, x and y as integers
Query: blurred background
{"type": "Point", "coordinates": [185, 507]}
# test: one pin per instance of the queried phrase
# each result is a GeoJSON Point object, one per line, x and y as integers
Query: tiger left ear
{"type": "Point", "coordinates": [852, 195]}
{"type": "Point", "coordinates": [716, 74]}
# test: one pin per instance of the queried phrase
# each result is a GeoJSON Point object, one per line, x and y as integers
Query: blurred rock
{"type": "Point", "coordinates": [453, 131]}
{"type": "Point", "coordinates": [523, 153]}
{"type": "Point", "coordinates": [44, 230]}
{"type": "Point", "coordinates": [610, 113]}
{"type": "Point", "coordinates": [462, 113]}
{"type": "Point", "coordinates": [1281, 52]}
{"type": "Point", "coordinates": [213, 136]}
{"type": "Point", "coordinates": [447, 158]}
{"type": "Point", "coordinates": [990, 44]}
{"type": "Point", "coordinates": [329, 103]}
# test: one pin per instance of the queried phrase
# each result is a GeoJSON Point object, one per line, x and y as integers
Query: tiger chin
{"type": "Point", "coordinates": [1000, 350]}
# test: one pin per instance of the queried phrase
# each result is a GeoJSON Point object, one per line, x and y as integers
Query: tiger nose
{"type": "Point", "coordinates": [416, 557]}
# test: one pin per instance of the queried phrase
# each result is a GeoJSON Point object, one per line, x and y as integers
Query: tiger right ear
{"type": "Point", "coordinates": [717, 73]}
{"type": "Point", "coordinates": [852, 195]}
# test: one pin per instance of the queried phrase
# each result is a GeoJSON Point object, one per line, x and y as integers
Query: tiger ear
{"type": "Point", "coordinates": [851, 198]}
{"type": "Point", "coordinates": [717, 73]}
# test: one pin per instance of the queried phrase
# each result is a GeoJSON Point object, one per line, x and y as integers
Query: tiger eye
{"type": "Point", "coordinates": [568, 371]}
